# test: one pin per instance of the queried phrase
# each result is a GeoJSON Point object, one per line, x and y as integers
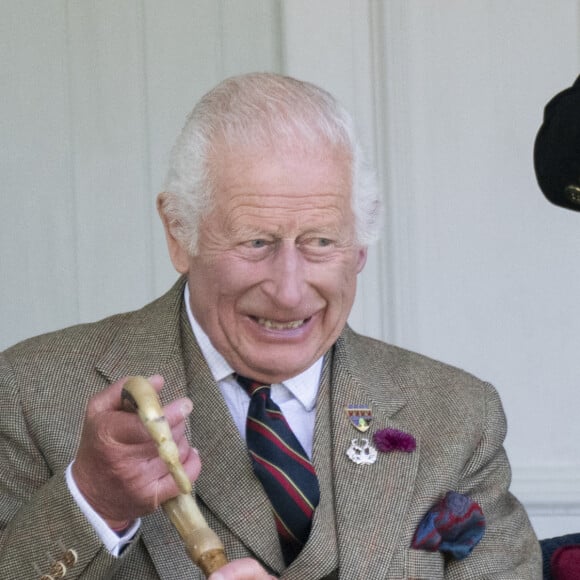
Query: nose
{"type": "Point", "coordinates": [286, 282]}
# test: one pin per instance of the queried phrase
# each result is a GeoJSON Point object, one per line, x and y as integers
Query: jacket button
{"type": "Point", "coordinates": [70, 558]}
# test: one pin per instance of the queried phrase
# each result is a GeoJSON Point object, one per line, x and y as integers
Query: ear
{"type": "Point", "coordinates": [178, 254]}
{"type": "Point", "coordinates": [361, 259]}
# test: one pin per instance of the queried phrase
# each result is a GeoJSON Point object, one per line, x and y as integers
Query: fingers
{"type": "Point", "coordinates": [177, 411]}
{"type": "Point", "coordinates": [166, 487]}
{"type": "Point", "coordinates": [127, 429]}
{"type": "Point", "coordinates": [117, 467]}
{"type": "Point", "coordinates": [192, 463]}
{"type": "Point", "coordinates": [242, 569]}
{"type": "Point", "coordinates": [110, 399]}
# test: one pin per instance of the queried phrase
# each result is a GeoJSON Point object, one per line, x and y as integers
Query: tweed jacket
{"type": "Point", "coordinates": [367, 515]}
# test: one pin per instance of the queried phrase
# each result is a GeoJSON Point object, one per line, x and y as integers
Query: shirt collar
{"type": "Point", "coordinates": [303, 387]}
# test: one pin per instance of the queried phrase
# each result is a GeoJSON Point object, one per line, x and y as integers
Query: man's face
{"type": "Point", "coordinates": [274, 278]}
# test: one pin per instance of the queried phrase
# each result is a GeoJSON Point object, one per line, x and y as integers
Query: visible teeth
{"type": "Point", "coordinates": [280, 325]}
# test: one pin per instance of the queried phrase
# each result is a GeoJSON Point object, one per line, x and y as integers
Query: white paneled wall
{"type": "Point", "coordinates": [474, 267]}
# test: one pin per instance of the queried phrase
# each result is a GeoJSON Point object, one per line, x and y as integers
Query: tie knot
{"type": "Point", "coordinates": [251, 386]}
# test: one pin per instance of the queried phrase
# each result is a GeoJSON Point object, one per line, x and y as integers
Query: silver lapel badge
{"type": "Point", "coordinates": [361, 453]}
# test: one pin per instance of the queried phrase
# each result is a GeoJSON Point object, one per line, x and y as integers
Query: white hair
{"type": "Point", "coordinates": [261, 109]}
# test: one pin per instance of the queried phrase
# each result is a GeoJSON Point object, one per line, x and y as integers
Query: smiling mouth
{"type": "Point", "coordinates": [275, 325]}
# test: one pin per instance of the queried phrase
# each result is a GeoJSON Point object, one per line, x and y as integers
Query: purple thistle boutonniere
{"type": "Point", "coordinates": [394, 440]}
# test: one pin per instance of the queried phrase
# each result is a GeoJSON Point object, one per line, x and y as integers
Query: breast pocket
{"type": "Point", "coordinates": [423, 565]}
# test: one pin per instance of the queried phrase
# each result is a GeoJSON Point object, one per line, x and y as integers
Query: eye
{"type": "Point", "coordinates": [318, 247]}
{"type": "Point", "coordinates": [317, 243]}
{"type": "Point", "coordinates": [257, 243]}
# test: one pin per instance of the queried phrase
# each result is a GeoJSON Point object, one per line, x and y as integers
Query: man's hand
{"type": "Point", "coordinates": [117, 467]}
{"type": "Point", "coordinates": [243, 569]}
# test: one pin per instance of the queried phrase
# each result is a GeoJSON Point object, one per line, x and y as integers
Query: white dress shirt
{"type": "Point", "coordinates": [296, 397]}
{"type": "Point", "coordinates": [113, 542]}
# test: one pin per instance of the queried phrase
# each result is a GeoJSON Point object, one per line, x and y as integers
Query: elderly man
{"type": "Point", "coordinates": [324, 454]}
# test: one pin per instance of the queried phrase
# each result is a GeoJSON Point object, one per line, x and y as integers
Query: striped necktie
{"type": "Point", "coordinates": [283, 467]}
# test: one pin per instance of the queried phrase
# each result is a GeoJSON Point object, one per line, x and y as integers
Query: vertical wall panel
{"type": "Point", "coordinates": [37, 231]}
{"type": "Point", "coordinates": [110, 154]}
{"type": "Point", "coordinates": [183, 60]}
{"type": "Point", "coordinates": [243, 50]}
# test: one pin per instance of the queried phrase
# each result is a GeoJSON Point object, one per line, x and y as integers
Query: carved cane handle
{"type": "Point", "coordinates": [202, 544]}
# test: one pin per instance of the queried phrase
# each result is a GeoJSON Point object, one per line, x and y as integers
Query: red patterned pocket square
{"type": "Point", "coordinates": [454, 526]}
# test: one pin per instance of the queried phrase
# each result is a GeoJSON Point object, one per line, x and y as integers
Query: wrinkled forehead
{"type": "Point", "coordinates": [250, 158]}
{"type": "Point", "coordinates": [259, 155]}
{"type": "Point", "coordinates": [301, 179]}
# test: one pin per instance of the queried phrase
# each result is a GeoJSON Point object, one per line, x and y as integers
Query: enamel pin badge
{"type": "Point", "coordinates": [360, 417]}
{"type": "Point", "coordinates": [360, 451]}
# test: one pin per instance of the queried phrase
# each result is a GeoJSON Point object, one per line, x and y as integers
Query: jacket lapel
{"type": "Point", "coordinates": [371, 500]}
{"type": "Point", "coordinates": [149, 343]}
{"type": "Point", "coordinates": [227, 484]}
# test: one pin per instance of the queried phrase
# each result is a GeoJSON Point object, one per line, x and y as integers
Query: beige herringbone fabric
{"type": "Point", "coordinates": [367, 515]}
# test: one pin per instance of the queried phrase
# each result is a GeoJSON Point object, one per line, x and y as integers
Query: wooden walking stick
{"type": "Point", "coordinates": [201, 543]}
